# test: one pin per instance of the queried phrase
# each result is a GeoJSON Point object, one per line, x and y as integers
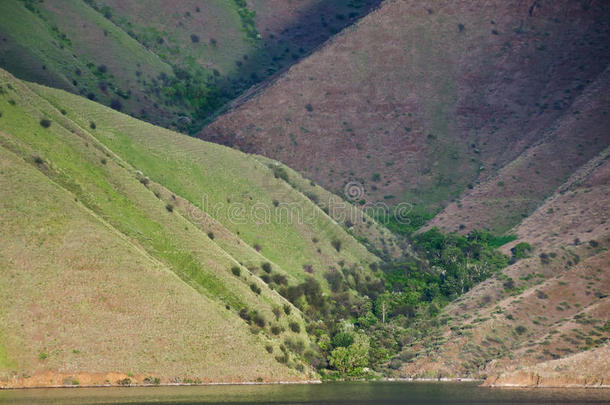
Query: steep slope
{"type": "Point", "coordinates": [170, 63]}
{"type": "Point", "coordinates": [548, 305]}
{"type": "Point", "coordinates": [418, 102]}
{"type": "Point", "coordinates": [107, 219]}
{"type": "Point", "coordinates": [114, 310]}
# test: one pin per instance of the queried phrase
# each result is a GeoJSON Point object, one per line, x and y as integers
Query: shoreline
{"type": "Point", "coordinates": [496, 383]}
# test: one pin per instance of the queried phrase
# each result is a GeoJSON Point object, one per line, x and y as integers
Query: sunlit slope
{"type": "Point", "coordinates": [95, 202]}
{"type": "Point", "coordinates": [78, 296]}
{"type": "Point", "coordinates": [149, 230]}
{"type": "Point", "coordinates": [235, 189]}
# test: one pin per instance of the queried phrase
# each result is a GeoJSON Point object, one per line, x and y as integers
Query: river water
{"type": "Point", "coordinates": [357, 393]}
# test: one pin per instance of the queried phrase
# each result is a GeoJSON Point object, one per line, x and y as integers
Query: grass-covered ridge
{"type": "Point", "coordinates": [92, 196]}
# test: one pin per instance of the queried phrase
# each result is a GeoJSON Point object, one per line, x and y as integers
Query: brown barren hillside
{"type": "Point", "coordinates": [420, 101]}
{"type": "Point", "coordinates": [550, 305]}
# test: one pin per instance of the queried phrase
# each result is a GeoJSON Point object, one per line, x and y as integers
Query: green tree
{"type": "Point", "coordinates": [351, 360]}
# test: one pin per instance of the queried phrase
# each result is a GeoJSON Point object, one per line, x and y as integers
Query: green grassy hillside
{"type": "Point", "coordinates": [109, 219]}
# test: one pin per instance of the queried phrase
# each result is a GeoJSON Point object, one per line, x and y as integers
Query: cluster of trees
{"type": "Point", "coordinates": [368, 317]}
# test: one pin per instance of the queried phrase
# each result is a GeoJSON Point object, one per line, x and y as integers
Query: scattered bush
{"type": "Point", "coordinates": [287, 309]}
{"type": "Point", "coordinates": [521, 250]}
{"type": "Point", "coordinates": [211, 235]}
{"type": "Point", "coordinates": [541, 295]}
{"type": "Point", "coordinates": [276, 329]}
{"type": "Point", "coordinates": [236, 271]}
{"type": "Point", "coordinates": [266, 267]}
{"type": "Point", "coordinates": [169, 207]}
{"type": "Point", "coordinates": [256, 289]}
{"type": "Point", "coordinates": [544, 258]}
{"type": "Point", "coordinates": [336, 243]}
{"type": "Point", "coordinates": [245, 315]}
{"type": "Point", "coordinates": [520, 330]}
{"type": "Point", "coordinates": [45, 123]}
{"type": "Point", "coordinates": [269, 348]}
{"type": "Point", "coordinates": [259, 320]}
{"type": "Point", "coordinates": [257, 247]}
{"type": "Point", "coordinates": [194, 38]}
{"type": "Point", "coordinates": [509, 284]}
{"type": "Point", "coordinates": [124, 382]}
{"type": "Point", "coordinates": [104, 161]}
{"type": "Point", "coordinates": [92, 125]}
{"type": "Point", "coordinates": [63, 112]}
{"type": "Point", "coordinates": [38, 160]}
{"type": "Point", "coordinates": [295, 327]}
{"type": "Point", "coordinates": [280, 173]}
{"type": "Point", "coordinates": [277, 312]}
{"type": "Point", "coordinates": [280, 279]}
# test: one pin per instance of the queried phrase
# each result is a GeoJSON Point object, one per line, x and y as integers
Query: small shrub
{"type": "Point", "coordinates": [124, 382]}
{"type": "Point", "coordinates": [245, 314]}
{"type": "Point", "coordinates": [236, 271]}
{"type": "Point", "coordinates": [544, 258]}
{"type": "Point", "coordinates": [593, 243]}
{"type": "Point", "coordinates": [308, 268]}
{"type": "Point", "coordinates": [336, 243]}
{"type": "Point", "coordinates": [63, 112]}
{"type": "Point", "coordinates": [277, 312]}
{"type": "Point", "coordinates": [102, 69]}
{"type": "Point", "coordinates": [257, 247]}
{"type": "Point", "coordinates": [541, 295]}
{"type": "Point", "coordinates": [276, 329]}
{"type": "Point", "coordinates": [194, 38]}
{"type": "Point", "coordinates": [92, 125]}
{"type": "Point", "coordinates": [145, 181]}
{"type": "Point", "coordinates": [280, 173]}
{"type": "Point", "coordinates": [509, 284]}
{"type": "Point", "coordinates": [295, 327]}
{"type": "Point", "coordinates": [280, 279]}
{"type": "Point", "coordinates": [38, 160]}
{"type": "Point", "coordinates": [169, 208]}
{"type": "Point", "coordinates": [521, 250]}
{"type": "Point", "coordinates": [104, 161]}
{"type": "Point", "coordinates": [266, 278]}
{"type": "Point", "coordinates": [266, 267]}
{"type": "Point", "coordinates": [309, 107]}
{"type": "Point", "coordinates": [259, 320]}
{"type": "Point", "coordinates": [269, 348]}
{"type": "Point", "coordinates": [45, 123]}
{"type": "Point", "coordinates": [276, 203]}
{"type": "Point", "coordinates": [256, 289]}
{"type": "Point", "coordinates": [211, 235]}
{"type": "Point", "coordinates": [520, 330]}
{"type": "Point", "coordinates": [287, 309]}
{"type": "Point", "coordinates": [43, 356]}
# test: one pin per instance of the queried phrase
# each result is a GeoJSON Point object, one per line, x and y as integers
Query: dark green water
{"type": "Point", "coordinates": [361, 393]}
